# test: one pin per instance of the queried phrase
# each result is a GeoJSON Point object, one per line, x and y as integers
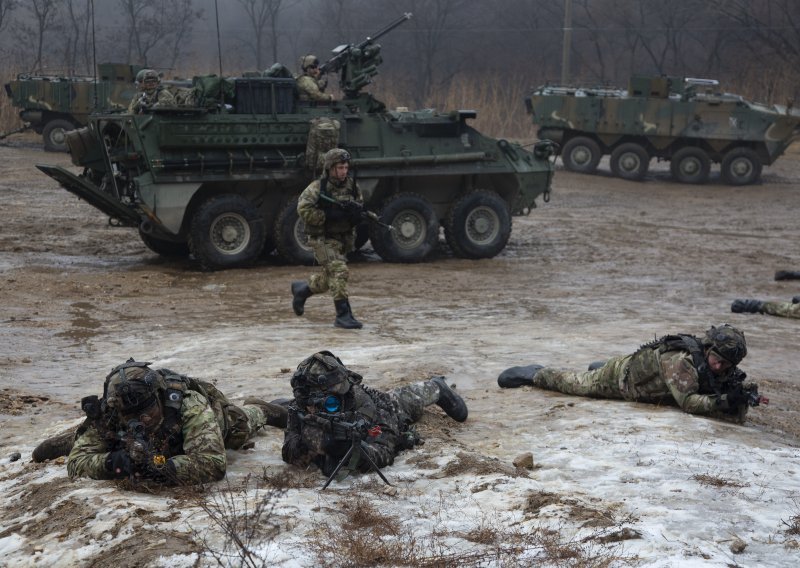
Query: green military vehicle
{"type": "Point", "coordinates": [684, 121]}
{"type": "Point", "coordinates": [53, 105]}
{"type": "Point", "coordinates": [220, 180]}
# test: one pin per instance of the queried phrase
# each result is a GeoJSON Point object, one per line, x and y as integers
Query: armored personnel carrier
{"type": "Point", "coordinates": [220, 179]}
{"type": "Point", "coordinates": [53, 105]}
{"type": "Point", "coordinates": [684, 121]}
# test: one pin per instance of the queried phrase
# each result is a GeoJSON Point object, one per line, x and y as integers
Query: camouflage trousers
{"type": "Point", "coordinates": [244, 422]}
{"type": "Point", "coordinates": [782, 309]}
{"type": "Point", "coordinates": [412, 399]}
{"type": "Point", "coordinates": [605, 382]}
{"type": "Point", "coordinates": [331, 255]}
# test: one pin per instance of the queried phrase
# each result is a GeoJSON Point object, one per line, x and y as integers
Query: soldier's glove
{"type": "Point", "coordinates": [166, 474]}
{"type": "Point", "coordinates": [119, 464]}
{"type": "Point", "coordinates": [796, 300]}
{"type": "Point", "coordinates": [747, 306]}
{"type": "Point", "coordinates": [354, 210]}
{"type": "Point", "coordinates": [733, 399]}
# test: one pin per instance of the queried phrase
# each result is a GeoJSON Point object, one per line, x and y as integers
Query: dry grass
{"type": "Point", "coordinates": [715, 481]}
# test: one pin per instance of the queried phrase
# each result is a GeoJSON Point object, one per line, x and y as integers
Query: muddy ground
{"type": "Point", "coordinates": [603, 267]}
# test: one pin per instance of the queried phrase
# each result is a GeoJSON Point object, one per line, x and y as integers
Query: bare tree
{"type": "Point", "coordinates": [77, 36]}
{"type": "Point", "coordinates": [263, 17]}
{"type": "Point", "coordinates": [772, 27]}
{"type": "Point", "coordinates": [6, 7]}
{"type": "Point", "coordinates": [44, 13]}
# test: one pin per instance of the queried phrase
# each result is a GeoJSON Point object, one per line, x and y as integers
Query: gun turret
{"type": "Point", "coordinates": [359, 63]}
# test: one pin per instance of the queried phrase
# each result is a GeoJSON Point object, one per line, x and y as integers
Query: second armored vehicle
{"type": "Point", "coordinates": [54, 104]}
{"type": "Point", "coordinates": [221, 179]}
{"type": "Point", "coordinates": [668, 118]}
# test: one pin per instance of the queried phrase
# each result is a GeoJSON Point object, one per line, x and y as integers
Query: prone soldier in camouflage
{"type": "Point", "coordinates": [310, 86]}
{"type": "Point", "coordinates": [164, 427]}
{"type": "Point", "coordinates": [326, 391]}
{"type": "Point", "coordinates": [152, 93]}
{"type": "Point", "coordinates": [780, 309]}
{"type": "Point", "coordinates": [331, 208]}
{"type": "Point", "coordinates": [699, 375]}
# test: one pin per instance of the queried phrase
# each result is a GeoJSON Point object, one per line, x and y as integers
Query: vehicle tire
{"type": "Point", "coordinates": [630, 161]}
{"type": "Point", "coordinates": [226, 231]}
{"type": "Point", "coordinates": [581, 154]}
{"type": "Point", "coordinates": [53, 134]}
{"type": "Point", "coordinates": [290, 236]}
{"type": "Point", "coordinates": [741, 166]}
{"type": "Point", "coordinates": [478, 225]}
{"type": "Point", "coordinates": [163, 247]}
{"type": "Point", "coordinates": [416, 231]}
{"type": "Point", "coordinates": [690, 165]}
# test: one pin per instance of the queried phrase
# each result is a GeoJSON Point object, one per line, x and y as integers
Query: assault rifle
{"type": "Point", "coordinates": [342, 430]}
{"type": "Point", "coordinates": [750, 391]}
{"type": "Point", "coordinates": [139, 449]}
{"type": "Point", "coordinates": [356, 208]}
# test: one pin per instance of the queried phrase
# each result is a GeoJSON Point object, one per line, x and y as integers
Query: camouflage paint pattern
{"type": "Point", "coordinates": [330, 241]}
{"type": "Point", "coordinates": [159, 97]}
{"type": "Point", "coordinates": [663, 112]}
{"type": "Point", "coordinates": [673, 379]}
{"type": "Point", "coordinates": [781, 309]}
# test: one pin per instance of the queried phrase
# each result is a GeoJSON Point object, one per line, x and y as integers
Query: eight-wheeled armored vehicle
{"type": "Point", "coordinates": [220, 181]}
{"type": "Point", "coordinates": [681, 120]}
{"type": "Point", "coordinates": [53, 104]}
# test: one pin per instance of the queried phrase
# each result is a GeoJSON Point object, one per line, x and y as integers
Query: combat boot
{"type": "Point", "coordinates": [594, 365]}
{"type": "Point", "coordinates": [518, 376]}
{"type": "Point", "coordinates": [55, 447]}
{"type": "Point", "coordinates": [450, 401]}
{"type": "Point", "coordinates": [344, 315]}
{"type": "Point", "coordinates": [747, 306]}
{"type": "Point", "coordinates": [300, 293]}
{"type": "Point", "coordinates": [275, 414]}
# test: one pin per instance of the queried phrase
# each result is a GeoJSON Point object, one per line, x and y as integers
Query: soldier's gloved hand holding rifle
{"type": "Point", "coordinates": [356, 212]}
{"type": "Point", "coordinates": [137, 460]}
{"type": "Point", "coordinates": [738, 394]}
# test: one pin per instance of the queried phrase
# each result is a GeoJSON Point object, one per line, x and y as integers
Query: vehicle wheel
{"type": "Point", "coordinates": [581, 154]}
{"type": "Point", "coordinates": [690, 165]}
{"type": "Point", "coordinates": [741, 166]}
{"type": "Point", "coordinates": [630, 161]}
{"type": "Point", "coordinates": [416, 231]}
{"type": "Point", "coordinates": [478, 225]}
{"type": "Point", "coordinates": [53, 134]}
{"type": "Point", "coordinates": [163, 247]}
{"type": "Point", "coordinates": [226, 231]}
{"type": "Point", "coordinates": [290, 236]}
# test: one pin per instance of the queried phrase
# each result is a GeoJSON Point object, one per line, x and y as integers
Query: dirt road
{"type": "Point", "coordinates": [603, 267]}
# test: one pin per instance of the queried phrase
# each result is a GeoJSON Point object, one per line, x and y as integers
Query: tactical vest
{"type": "Point", "coordinates": [347, 190]}
{"type": "Point", "coordinates": [645, 364]}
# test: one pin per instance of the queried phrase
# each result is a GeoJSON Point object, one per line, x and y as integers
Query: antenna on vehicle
{"type": "Point", "coordinates": [94, 61]}
{"type": "Point", "coordinates": [219, 54]}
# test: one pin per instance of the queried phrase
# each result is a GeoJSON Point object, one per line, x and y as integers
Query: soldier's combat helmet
{"type": "Point", "coordinates": [133, 389]}
{"type": "Point", "coordinates": [727, 341]}
{"type": "Point", "coordinates": [335, 156]}
{"type": "Point", "coordinates": [148, 76]}
{"type": "Point", "coordinates": [322, 372]}
{"type": "Point", "coordinates": [308, 61]}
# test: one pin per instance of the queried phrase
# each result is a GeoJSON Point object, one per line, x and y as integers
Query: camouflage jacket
{"type": "Point", "coordinates": [197, 449]}
{"type": "Point", "coordinates": [312, 209]}
{"type": "Point", "coordinates": [306, 442]}
{"type": "Point", "coordinates": [311, 89]}
{"type": "Point", "coordinates": [142, 101]}
{"type": "Point", "coordinates": [653, 376]}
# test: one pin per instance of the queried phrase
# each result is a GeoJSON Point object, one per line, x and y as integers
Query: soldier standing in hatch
{"type": "Point", "coordinates": [152, 94]}
{"type": "Point", "coordinates": [310, 85]}
{"type": "Point", "coordinates": [699, 375]}
{"type": "Point", "coordinates": [780, 309]}
{"type": "Point", "coordinates": [160, 426]}
{"type": "Point", "coordinates": [330, 227]}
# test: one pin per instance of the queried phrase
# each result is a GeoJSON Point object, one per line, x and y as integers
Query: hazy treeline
{"type": "Point", "coordinates": [449, 49]}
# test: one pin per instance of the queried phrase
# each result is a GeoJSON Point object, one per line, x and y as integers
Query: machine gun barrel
{"type": "Point", "coordinates": [335, 63]}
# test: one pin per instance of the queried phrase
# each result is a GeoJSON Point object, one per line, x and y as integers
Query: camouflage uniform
{"type": "Point", "coordinates": [187, 445]}
{"type": "Point", "coordinates": [670, 370]}
{"type": "Point", "coordinates": [151, 95]}
{"type": "Point", "coordinates": [780, 309]}
{"type": "Point", "coordinates": [330, 240]}
{"type": "Point", "coordinates": [310, 88]}
{"type": "Point", "coordinates": [307, 441]}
